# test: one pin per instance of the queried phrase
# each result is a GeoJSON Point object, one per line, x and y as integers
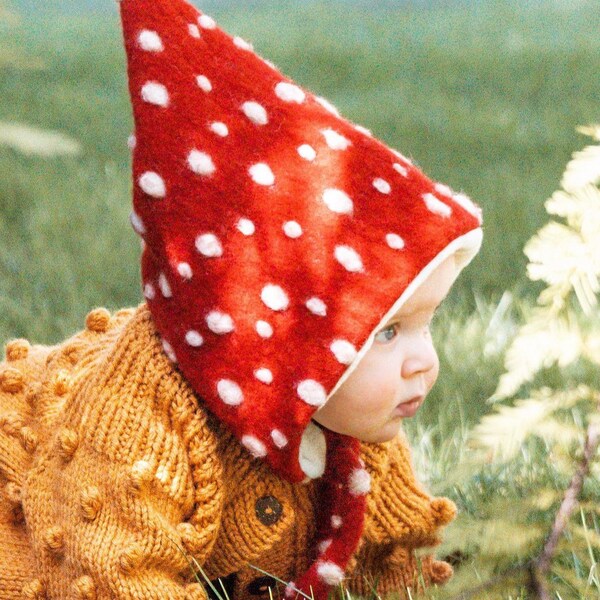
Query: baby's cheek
{"type": "Point", "coordinates": [369, 391]}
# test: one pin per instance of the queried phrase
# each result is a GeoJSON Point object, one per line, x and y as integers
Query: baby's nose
{"type": "Point", "coordinates": [421, 358]}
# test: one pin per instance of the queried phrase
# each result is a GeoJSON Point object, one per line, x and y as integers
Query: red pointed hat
{"type": "Point", "coordinates": [278, 239]}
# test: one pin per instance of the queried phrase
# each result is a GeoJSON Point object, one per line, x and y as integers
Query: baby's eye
{"type": "Point", "coordinates": [386, 335]}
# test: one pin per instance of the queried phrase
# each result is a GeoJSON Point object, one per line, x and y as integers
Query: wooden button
{"type": "Point", "coordinates": [268, 510]}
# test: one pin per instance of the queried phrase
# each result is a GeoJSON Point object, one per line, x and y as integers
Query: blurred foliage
{"type": "Point", "coordinates": [7, 15]}
{"type": "Point", "coordinates": [524, 453]}
{"type": "Point", "coordinates": [563, 329]}
{"type": "Point", "coordinates": [11, 56]}
{"type": "Point", "coordinates": [20, 137]}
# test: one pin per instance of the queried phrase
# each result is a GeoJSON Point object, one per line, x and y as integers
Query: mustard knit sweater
{"type": "Point", "coordinates": [116, 483]}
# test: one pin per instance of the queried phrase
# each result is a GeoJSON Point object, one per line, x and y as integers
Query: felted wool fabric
{"type": "Point", "coordinates": [273, 252]}
{"type": "Point", "coordinates": [114, 476]}
{"type": "Point", "coordinates": [278, 238]}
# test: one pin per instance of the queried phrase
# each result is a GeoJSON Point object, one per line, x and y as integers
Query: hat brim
{"type": "Point", "coordinates": [464, 249]}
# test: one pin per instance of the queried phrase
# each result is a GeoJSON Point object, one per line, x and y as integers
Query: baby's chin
{"type": "Point", "coordinates": [378, 436]}
{"type": "Point", "coordinates": [374, 435]}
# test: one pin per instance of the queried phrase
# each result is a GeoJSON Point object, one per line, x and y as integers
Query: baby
{"type": "Point", "coordinates": [239, 431]}
{"type": "Point", "coordinates": [396, 374]}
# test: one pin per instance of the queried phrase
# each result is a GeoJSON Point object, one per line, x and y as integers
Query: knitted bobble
{"type": "Point", "coordinates": [192, 539]}
{"type": "Point", "coordinates": [32, 393]}
{"type": "Point", "coordinates": [141, 474]}
{"type": "Point", "coordinates": [72, 352]}
{"type": "Point", "coordinates": [12, 423]}
{"type": "Point", "coordinates": [11, 381]}
{"type": "Point", "coordinates": [131, 559]}
{"type": "Point", "coordinates": [33, 590]}
{"type": "Point", "coordinates": [441, 571]}
{"type": "Point", "coordinates": [17, 349]}
{"type": "Point", "coordinates": [18, 516]}
{"type": "Point", "coordinates": [54, 540]}
{"type": "Point", "coordinates": [29, 439]}
{"type": "Point", "coordinates": [98, 320]}
{"type": "Point", "coordinates": [91, 502]}
{"type": "Point", "coordinates": [444, 510]}
{"type": "Point", "coordinates": [61, 382]}
{"type": "Point", "coordinates": [84, 588]}
{"type": "Point", "coordinates": [13, 496]}
{"type": "Point", "coordinates": [195, 591]}
{"type": "Point", "coordinates": [12, 493]}
{"type": "Point", "coordinates": [68, 440]}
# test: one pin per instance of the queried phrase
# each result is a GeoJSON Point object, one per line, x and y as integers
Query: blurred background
{"type": "Point", "coordinates": [484, 95]}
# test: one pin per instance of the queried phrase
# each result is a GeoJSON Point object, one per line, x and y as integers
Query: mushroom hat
{"type": "Point", "coordinates": [278, 237]}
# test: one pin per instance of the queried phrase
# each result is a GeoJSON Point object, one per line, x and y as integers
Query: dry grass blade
{"type": "Point", "coordinates": [31, 141]}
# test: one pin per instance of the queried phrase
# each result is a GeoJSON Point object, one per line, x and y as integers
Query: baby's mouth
{"type": "Point", "coordinates": [409, 408]}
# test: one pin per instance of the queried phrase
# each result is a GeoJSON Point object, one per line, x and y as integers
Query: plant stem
{"type": "Point", "coordinates": [541, 565]}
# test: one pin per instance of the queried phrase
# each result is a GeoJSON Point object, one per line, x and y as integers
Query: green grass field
{"type": "Point", "coordinates": [484, 96]}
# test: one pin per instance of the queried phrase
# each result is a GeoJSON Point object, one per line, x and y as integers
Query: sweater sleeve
{"type": "Point", "coordinates": [23, 363]}
{"type": "Point", "coordinates": [124, 499]}
{"type": "Point", "coordinates": [401, 518]}
{"type": "Point", "coordinates": [399, 508]}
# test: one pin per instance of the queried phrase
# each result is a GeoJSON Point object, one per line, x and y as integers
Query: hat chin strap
{"type": "Point", "coordinates": [340, 512]}
{"type": "Point", "coordinates": [313, 450]}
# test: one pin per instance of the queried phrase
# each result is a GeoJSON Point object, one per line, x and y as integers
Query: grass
{"type": "Point", "coordinates": [484, 96]}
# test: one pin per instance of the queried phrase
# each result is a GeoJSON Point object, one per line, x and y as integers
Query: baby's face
{"type": "Point", "coordinates": [398, 371]}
